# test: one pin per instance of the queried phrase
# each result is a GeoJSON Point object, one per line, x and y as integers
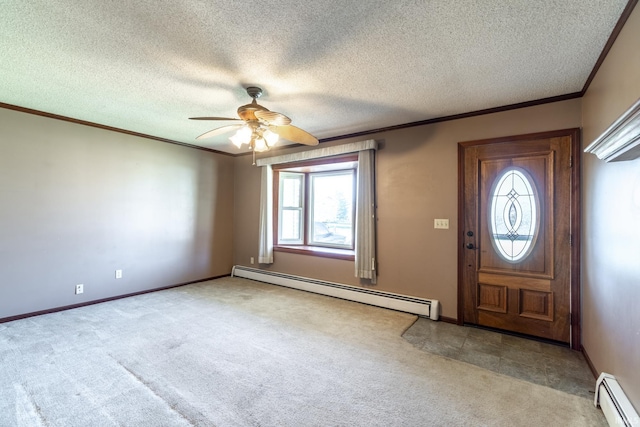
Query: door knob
{"type": "Point", "coordinates": [470, 246]}
{"type": "Point", "coordinates": [470, 233]}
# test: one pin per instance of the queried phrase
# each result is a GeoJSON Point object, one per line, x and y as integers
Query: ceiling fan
{"type": "Point", "coordinates": [261, 128]}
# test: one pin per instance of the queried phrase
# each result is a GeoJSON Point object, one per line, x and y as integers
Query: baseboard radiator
{"type": "Point", "coordinates": [423, 307]}
{"type": "Point", "coordinates": [615, 405]}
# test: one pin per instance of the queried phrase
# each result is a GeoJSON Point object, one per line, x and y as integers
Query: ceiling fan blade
{"type": "Point", "coordinates": [212, 118]}
{"type": "Point", "coordinates": [294, 134]}
{"type": "Point", "coordinates": [272, 118]}
{"type": "Point", "coordinates": [219, 131]}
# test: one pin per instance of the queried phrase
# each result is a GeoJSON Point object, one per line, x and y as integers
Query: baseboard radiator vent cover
{"type": "Point", "coordinates": [424, 307]}
{"type": "Point", "coordinates": [615, 405]}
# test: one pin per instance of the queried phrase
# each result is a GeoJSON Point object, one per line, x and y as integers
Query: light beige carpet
{"type": "Point", "coordinates": [233, 352]}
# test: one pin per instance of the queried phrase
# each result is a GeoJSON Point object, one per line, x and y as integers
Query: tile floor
{"type": "Point", "coordinates": [537, 362]}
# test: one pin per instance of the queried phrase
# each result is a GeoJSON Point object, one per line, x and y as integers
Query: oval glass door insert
{"type": "Point", "coordinates": [514, 214]}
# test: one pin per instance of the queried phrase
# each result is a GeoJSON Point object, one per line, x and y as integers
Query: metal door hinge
{"type": "Point", "coordinates": [570, 161]}
{"type": "Point", "coordinates": [571, 240]}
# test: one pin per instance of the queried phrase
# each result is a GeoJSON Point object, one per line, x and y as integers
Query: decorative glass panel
{"type": "Point", "coordinates": [514, 214]}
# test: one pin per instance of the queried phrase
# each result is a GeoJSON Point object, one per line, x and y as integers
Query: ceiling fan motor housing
{"type": "Point", "coordinates": [246, 112]}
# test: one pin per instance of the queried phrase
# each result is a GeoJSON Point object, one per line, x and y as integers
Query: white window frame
{"type": "Point", "coordinates": [300, 209]}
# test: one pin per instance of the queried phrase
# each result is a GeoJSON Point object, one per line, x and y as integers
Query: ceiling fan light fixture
{"type": "Point", "coordinates": [271, 137]}
{"type": "Point", "coordinates": [256, 137]}
{"type": "Point", "coordinates": [259, 145]}
{"type": "Point", "coordinates": [242, 136]}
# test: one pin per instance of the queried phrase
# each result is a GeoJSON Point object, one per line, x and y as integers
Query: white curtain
{"type": "Point", "coordinates": [265, 252]}
{"type": "Point", "coordinates": [365, 243]}
{"type": "Point", "coordinates": [352, 147]}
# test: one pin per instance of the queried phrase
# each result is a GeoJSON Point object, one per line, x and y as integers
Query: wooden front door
{"type": "Point", "coordinates": [519, 234]}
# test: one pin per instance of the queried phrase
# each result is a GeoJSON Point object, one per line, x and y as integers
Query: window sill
{"type": "Point", "coordinates": [345, 254]}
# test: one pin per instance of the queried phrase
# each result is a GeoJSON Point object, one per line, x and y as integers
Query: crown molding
{"type": "Point", "coordinates": [105, 127]}
{"type": "Point", "coordinates": [607, 47]}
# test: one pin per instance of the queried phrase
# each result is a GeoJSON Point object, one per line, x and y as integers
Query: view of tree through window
{"type": "Point", "coordinates": [332, 208]}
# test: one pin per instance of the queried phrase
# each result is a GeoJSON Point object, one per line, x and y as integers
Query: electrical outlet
{"type": "Point", "coordinates": [79, 289]}
{"type": "Point", "coordinates": [441, 223]}
{"type": "Point", "coordinates": [118, 274]}
{"type": "Point", "coordinates": [252, 260]}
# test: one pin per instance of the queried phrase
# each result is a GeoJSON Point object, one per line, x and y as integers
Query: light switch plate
{"type": "Point", "coordinates": [441, 223]}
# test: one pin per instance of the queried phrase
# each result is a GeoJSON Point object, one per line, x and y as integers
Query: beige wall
{"type": "Point", "coordinates": [77, 203]}
{"type": "Point", "coordinates": [611, 224]}
{"type": "Point", "coordinates": [417, 181]}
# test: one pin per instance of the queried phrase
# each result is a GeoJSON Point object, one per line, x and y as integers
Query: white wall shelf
{"type": "Point", "coordinates": [621, 141]}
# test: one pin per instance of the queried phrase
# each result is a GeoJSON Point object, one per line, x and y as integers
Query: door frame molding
{"type": "Point", "coordinates": [576, 217]}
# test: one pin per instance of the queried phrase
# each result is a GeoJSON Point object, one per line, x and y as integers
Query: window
{"type": "Point", "coordinates": [291, 209]}
{"type": "Point", "coordinates": [331, 208]}
{"type": "Point", "coordinates": [315, 209]}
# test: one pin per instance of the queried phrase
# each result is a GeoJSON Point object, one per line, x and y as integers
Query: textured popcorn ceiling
{"type": "Point", "coordinates": [335, 67]}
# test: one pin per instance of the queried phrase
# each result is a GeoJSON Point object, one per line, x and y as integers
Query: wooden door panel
{"type": "Point", "coordinates": [492, 298]}
{"type": "Point", "coordinates": [536, 304]}
{"type": "Point", "coordinates": [524, 291]}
